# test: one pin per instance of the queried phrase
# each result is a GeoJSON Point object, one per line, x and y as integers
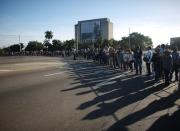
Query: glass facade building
{"type": "Point", "coordinates": [91, 30]}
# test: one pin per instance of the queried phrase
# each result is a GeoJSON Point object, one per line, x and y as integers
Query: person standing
{"type": "Point", "coordinates": [112, 57]}
{"type": "Point", "coordinates": [175, 68]}
{"type": "Point", "coordinates": [106, 51]}
{"type": "Point", "coordinates": [156, 59]}
{"type": "Point", "coordinates": [167, 66]}
{"type": "Point", "coordinates": [138, 60]}
{"type": "Point", "coordinates": [130, 59]}
{"type": "Point", "coordinates": [148, 57]}
{"type": "Point", "coordinates": [74, 53]}
{"type": "Point", "coordinates": [120, 58]}
{"type": "Point", "coordinates": [125, 60]}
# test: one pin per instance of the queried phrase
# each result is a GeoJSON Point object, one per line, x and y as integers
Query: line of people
{"type": "Point", "coordinates": [162, 62]}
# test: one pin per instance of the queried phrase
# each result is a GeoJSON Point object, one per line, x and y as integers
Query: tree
{"type": "Point", "coordinates": [47, 44]}
{"type": "Point", "coordinates": [105, 42]}
{"type": "Point", "coordinates": [68, 44]}
{"type": "Point", "coordinates": [22, 46]}
{"type": "Point", "coordinates": [34, 46]}
{"type": "Point", "coordinates": [124, 42]}
{"type": "Point", "coordinates": [136, 39]}
{"type": "Point", "coordinates": [99, 42]}
{"type": "Point", "coordinates": [113, 43]}
{"type": "Point", "coordinates": [57, 45]}
{"type": "Point", "coordinates": [1, 51]}
{"type": "Point", "coordinates": [6, 50]}
{"type": "Point", "coordinates": [15, 48]}
{"type": "Point", "coordinates": [48, 35]}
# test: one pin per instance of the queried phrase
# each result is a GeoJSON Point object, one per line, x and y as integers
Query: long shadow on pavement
{"type": "Point", "coordinates": [116, 90]}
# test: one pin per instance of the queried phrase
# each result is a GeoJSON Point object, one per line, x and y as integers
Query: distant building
{"type": "Point", "coordinates": [91, 30]}
{"type": "Point", "coordinates": [174, 40]}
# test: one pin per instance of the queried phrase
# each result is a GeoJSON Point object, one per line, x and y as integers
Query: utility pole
{"type": "Point", "coordinates": [129, 39]}
{"type": "Point", "coordinates": [77, 40]}
{"type": "Point", "coordinates": [20, 43]}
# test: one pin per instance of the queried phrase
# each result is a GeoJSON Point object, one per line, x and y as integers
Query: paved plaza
{"type": "Point", "coordinates": [59, 94]}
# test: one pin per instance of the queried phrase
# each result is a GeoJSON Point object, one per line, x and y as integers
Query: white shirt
{"type": "Point", "coordinates": [149, 55]}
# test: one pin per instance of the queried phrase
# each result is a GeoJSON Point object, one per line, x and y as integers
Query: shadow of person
{"type": "Point", "coordinates": [155, 106]}
{"type": "Point", "coordinates": [167, 123]}
{"type": "Point", "coordinates": [128, 98]}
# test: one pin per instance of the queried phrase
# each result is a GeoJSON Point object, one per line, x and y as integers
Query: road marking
{"type": "Point", "coordinates": [57, 73]}
{"type": "Point", "coordinates": [5, 70]}
{"type": "Point", "coordinates": [41, 63]}
{"type": "Point", "coordinates": [107, 81]}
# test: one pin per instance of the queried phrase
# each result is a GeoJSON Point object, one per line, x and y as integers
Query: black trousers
{"type": "Point", "coordinates": [167, 75]}
{"type": "Point", "coordinates": [175, 69]}
{"type": "Point", "coordinates": [148, 66]}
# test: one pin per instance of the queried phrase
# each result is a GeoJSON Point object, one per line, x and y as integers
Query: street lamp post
{"type": "Point", "coordinates": [77, 41]}
{"type": "Point", "coordinates": [19, 44]}
{"type": "Point", "coordinates": [129, 39]}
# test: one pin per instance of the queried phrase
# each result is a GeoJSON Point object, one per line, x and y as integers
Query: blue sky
{"type": "Point", "coordinates": [159, 19]}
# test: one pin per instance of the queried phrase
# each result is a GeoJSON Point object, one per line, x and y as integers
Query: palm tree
{"type": "Point", "coordinates": [48, 35]}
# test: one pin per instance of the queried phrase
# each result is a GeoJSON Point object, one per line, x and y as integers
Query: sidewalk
{"type": "Point", "coordinates": [135, 103]}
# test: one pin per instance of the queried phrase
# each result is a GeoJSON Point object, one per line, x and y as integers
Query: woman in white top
{"type": "Point", "coordinates": [125, 59]}
{"type": "Point", "coordinates": [130, 59]}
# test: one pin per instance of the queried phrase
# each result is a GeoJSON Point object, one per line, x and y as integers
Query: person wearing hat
{"type": "Point", "coordinates": [167, 62]}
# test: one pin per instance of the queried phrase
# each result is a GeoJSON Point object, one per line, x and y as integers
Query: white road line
{"type": "Point", "coordinates": [57, 73]}
{"type": "Point", "coordinates": [107, 81]}
{"type": "Point", "coordinates": [5, 70]}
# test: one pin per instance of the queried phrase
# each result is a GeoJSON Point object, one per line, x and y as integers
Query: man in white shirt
{"type": "Point", "coordinates": [148, 63]}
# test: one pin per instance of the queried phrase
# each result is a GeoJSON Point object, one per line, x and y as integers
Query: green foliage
{"type": "Point", "coordinates": [6, 49]}
{"type": "Point", "coordinates": [34, 46]}
{"type": "Point", "coordinates": [113, 43]}
{"type": "Point", "coordinates": [22, 45]}
{"type": "Point", "coordinates": [68, 44]}
{"type": "Point", "coordinates": [15, 48]}
{"type": "Point", "coordinates": [136, 39]}
{"type": "Point", "coordinates": [99, 42]}
{"type": "Point", "coordinates": [105, 43]}
{"type": "Point", "coordinates": [86, 45]}
{"type": "Point", "coordinates": [48, 35]}
{"type": "Point", "coordinates": [57, 45]}
{"type": "Point", "coordinates": [1, 51]}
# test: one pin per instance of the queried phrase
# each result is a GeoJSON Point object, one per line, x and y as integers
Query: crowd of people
{"type": "Point", "coordinates": [161, 62]}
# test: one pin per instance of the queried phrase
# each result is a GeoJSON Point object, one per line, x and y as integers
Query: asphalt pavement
{"type": "Point", "coordinates": [59, 94]}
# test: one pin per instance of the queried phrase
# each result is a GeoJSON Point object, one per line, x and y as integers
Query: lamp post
{"type": "Point", "coordinates": [77, 41]}
{"type": "Point", "coordinates": [129, 39]}
{"type": "Point", "coordinates": [19, 44]}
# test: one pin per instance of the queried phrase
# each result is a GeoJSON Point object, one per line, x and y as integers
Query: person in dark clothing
{"type": "Point", "coordinates": [156, 59]}
{"type": "Point", "coordinates": [138, 60]}
{"type": "Point", "coordinates": [167, 66]}
{"type": "Point", "coordinates": [175, 68]}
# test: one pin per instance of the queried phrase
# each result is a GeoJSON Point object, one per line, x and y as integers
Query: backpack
{"type": "Point", "coordinates": [145, 59]}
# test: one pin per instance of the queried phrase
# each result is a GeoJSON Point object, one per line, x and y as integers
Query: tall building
{"type": "Point", "coordinates": [91, 30]}
{"type": "Point", "coordinates": [174, 40]}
